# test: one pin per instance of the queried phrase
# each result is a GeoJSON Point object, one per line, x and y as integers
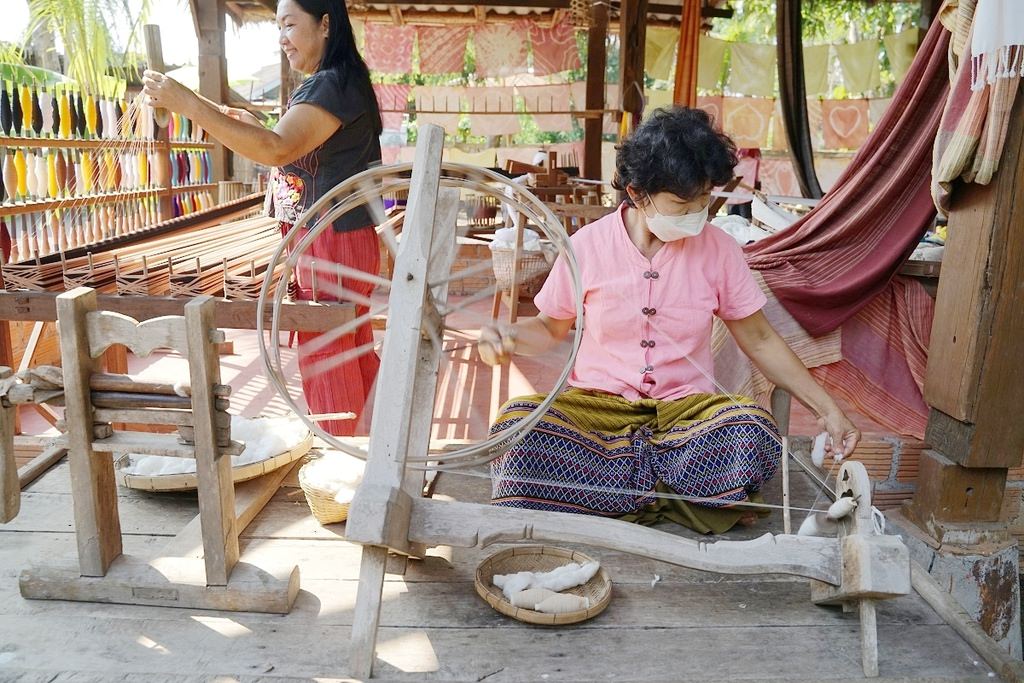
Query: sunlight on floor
{"type": "Point", "coordinates": [228, 628]}
{"type": "Point", "coordinates": [150, 644]}
{"type": "Point", "coordinates": [412, 653]}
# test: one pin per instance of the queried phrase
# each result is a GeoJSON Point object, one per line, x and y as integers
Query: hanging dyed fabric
{"type": "Point", "coordinates": [845, 123]}
{"type": "Point", "coordinates": [997, 42]}
{"type": "Point", "coordinates": [900, 48]}
{"type": "Point", "coordinates": [977, 113]}
{"type": "Point", "coordinates": [500, 49]}
{"type": "Point", "coordinates": [482, 101]}
{"type": "Point", "coordinates": [539, 99]}
{"type": "Point", "coordinates": [656, 98]}
{"type": "Point", "coordinates": [660, 51]}
{"type": "Point", "coordinates": [816, 59]}
{"type": "Point", "coordinates": [710, 60]}
{"type": "Point", "coordinates": [438, 105]}
{"type": "Point", "coordinates": [389, 48]}
{"type": "Point", "coordinates": [752, 71]}
{"type": "Point", "coordinates": [747, 119]}
{"type": "Point", "coordinates": [393, 99]}
{"type": "Point", "coordinates": [876, 109]}
{"type": "Point", "coordinates": [819, 268]}
{"type": "Point", "coordinates": [712, 104]}
{"type": "Point", "coordinates": [442, 48]}
{"type": "Point", "coordinates": [859, 63]}
{"type": "Point", "coordinates": [554, 49]}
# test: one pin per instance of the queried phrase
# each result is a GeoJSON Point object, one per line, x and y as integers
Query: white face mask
{"type": "Point", "coordinates": [672, 228]}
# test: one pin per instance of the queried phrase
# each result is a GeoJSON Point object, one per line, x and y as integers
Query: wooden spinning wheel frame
{"type": "Point", "coordinates": [388, 513]}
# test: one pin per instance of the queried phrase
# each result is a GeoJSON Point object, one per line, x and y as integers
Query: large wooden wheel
{"type": "Point", "coordinates": [294, 257]}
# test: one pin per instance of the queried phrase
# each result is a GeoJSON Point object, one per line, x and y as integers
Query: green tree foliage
{"type": "Point", "coordinates": [96, 35]}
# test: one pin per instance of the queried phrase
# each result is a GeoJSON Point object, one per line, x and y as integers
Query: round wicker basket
{"type": "Point", "coordinates": [322, 503]}
{"type": "Point", "coordinates": [541, 558]}
{"type": "Point", "coordinates": [532, 269]}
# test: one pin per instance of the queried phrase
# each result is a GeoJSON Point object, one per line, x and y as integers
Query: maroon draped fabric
{"type": "Point", "coordinates": [844, 253]}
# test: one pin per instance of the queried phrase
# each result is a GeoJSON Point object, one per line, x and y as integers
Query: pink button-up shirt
{"type": "Point", "coordinates": [647, 323]}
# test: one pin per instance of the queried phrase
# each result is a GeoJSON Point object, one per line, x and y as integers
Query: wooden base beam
{"type": "Point", "coordinates": [948, 492]}
{"type": "Point", "coordinates": [167, 582]}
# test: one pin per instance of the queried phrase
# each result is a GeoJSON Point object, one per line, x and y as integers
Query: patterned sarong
{"type": "Point", "coordinates": [599, 454]}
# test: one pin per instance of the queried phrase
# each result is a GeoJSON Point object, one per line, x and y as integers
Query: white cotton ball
{"type": "Point", "coordinates": [510, 584]}
{"type": "Point", "coordinates": [817, 524]}
{"type": "Point", "coordinates": [841, 508]}
{"type": "Point", "coordinates": [818, 449]}
{"type": "Point", "coordinates": [530, 597]}
{"type": "Point", "coordinates": [560, 603]}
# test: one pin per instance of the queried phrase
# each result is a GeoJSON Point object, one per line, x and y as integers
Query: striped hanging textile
{"type": "Point", "coordinates": [442, 48]}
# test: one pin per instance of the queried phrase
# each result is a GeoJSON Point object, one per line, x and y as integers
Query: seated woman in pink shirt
{"type": "Point", "coordinates": [641, 414]}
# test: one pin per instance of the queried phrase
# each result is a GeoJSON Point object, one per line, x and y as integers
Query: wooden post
{"type": "Point", "coordinates": [380, 512]}
{"type": "Point", "coordinates": [213, 466]}
{"type": "Point", "coordinates": [155, 57]}
{"type": "Point", "coordinates": [162, 158]}
{"type": "Point", "coordinates": [633, 34]}
{"type": "Point", "coordinates": [685, 92]}
{"type": "Point", "coordinates": [213, 84]}
{"type": "Point", "coordinates": [974, 370]}
{"type": "Point", "coordinates": [94, 491]}
{"type": "Point", "coordinates": [597, 60]}
{"type": "Point", "coordinates": [286, 83]}
{"type": "Point", "coordinates": [7, 361]}
{"type": "Point", "coordinates": [10, 487]}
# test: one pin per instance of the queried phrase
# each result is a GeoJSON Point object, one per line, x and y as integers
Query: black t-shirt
{"type": "Point", "coordinates": [352, 148]}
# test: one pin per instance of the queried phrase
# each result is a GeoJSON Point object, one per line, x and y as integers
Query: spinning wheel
{"type": "Point", "coordinates": [430, 210]}
{"type": "Point", "coordinates": [388, 512]}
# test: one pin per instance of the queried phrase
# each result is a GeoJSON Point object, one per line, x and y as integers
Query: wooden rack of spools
{"type": "Point", "coordinates": [104, 192]}
{"type": "Point", "coordinates": [80, 169]}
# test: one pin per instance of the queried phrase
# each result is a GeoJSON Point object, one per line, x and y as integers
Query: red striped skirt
{"type": "Point", "coordinates": [337, 387]}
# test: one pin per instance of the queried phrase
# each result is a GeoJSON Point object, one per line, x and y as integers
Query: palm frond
{"type": "Point", "coordinates": [92, 31]}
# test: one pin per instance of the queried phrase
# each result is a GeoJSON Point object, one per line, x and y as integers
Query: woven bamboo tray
{"type": "Point", "coordinates": [188, 481]}
{"type": "Point", "coordinates": [541, 558]}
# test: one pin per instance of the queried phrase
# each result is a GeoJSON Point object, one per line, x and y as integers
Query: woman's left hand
{"type": "Point", "coordinates": [844, 435]}
{"type": "Point", "coordinates": [165, 92]}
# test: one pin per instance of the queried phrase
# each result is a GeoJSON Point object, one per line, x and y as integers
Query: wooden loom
{"type": "Point", "coordinates": [216, 580]}
{"type": "Point", "coordinates": [389, 514]}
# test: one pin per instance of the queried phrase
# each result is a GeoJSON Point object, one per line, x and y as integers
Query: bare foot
{"type": "Point", "coordinates": [748, 519]}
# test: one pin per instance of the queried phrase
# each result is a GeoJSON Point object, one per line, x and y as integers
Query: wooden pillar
{"type": "Point", "coordinates": [975, 374]}
{"type": "Point", "coordinates": [161, 171]}
{"type": "Point", "coordinates": [285, 91]}
{"type": "Point", "coordinates": [213, 83]}
{"type": "Point", "coordinates": [685, 92]}
{"type": "Point", "coordinates": [633, 36]}
{"type": "Point", "coordinates": [597, 61]}
{"type": "Point", "coordinates": [7, 361]}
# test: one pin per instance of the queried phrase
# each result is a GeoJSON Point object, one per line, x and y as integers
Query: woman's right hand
{"type": "Point", "coordinates": [164, 92]}
{"type": "Point", "coordinates": [497, 343]}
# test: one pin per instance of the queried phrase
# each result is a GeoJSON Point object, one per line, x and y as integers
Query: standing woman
{"type": "Point", "coordinates": [329, 133]}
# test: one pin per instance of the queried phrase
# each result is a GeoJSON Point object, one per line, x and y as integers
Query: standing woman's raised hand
{"type": "Point", "coordinates": [164, 92]}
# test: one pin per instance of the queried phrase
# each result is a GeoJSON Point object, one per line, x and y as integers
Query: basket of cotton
{"type": "Point", "coordinates": [270, 443]}
{"type": "Point", "coordinates": [535, 260]}
{"type": "Point", "coordinates": [544, 585]}
{"type": "Point", "coordinates": [329, 483]}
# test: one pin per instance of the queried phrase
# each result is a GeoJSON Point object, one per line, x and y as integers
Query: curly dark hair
{"type": "Point", "coordinates": [677, 150]}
